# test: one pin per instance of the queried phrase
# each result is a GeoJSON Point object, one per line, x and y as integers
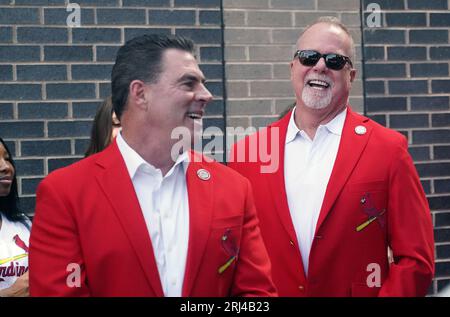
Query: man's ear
{"type": "Point", "coordinates": [352, 75]}
{"type": "Point", "coordinates": [291, 66]}
{"type": "Point", "coordinates": [137, 94]}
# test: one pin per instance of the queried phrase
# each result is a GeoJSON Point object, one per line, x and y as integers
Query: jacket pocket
{"type": "Point", "coordinates": [375, 186]}
{"type": "Point", "coordinates": [227, 222]}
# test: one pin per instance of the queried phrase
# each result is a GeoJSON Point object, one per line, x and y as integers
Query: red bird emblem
{"type": "Point", "coordinates": [20, 243]}
{"type": "Point", "coordinates": [372, 213]}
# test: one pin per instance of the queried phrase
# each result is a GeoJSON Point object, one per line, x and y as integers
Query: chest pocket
{"type": "Point", "coordinates": [372, 201]}
{"type": "Point", "coordinates": [227, 222]}
{"type": "Point", "coordinates": [375, 186]}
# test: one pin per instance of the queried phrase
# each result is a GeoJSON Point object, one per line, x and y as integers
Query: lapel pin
{"type": "Point", "coordinates": [363, 200]}
{"type": "Point", "coordinates": [203, 174]}
{"type": "Point", "coordinates": [360, 130]}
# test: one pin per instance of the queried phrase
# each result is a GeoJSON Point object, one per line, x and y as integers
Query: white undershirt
{"type": "Point", "coordinates": [164, 204]}
{"type": "Point", "coordinates": [307, 169]}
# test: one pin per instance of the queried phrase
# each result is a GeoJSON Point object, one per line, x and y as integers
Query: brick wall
{"type": "Point", "coordinates": [407, 89]}
{"type": "Point", "coordinates": [53, 77]}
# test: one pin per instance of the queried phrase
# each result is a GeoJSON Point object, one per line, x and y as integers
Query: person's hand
{"type": "Point", "coordinates": [18, 289]}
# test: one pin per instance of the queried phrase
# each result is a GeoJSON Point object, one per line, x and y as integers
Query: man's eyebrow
{"type": "Point", "coordinates": [191, 77]}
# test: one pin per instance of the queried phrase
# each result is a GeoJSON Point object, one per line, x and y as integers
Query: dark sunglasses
{"type": "Point", "coordinates": [332, 60]}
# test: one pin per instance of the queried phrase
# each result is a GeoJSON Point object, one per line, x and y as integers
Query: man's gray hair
{"type": "Point", "coordinates": [336, 22]}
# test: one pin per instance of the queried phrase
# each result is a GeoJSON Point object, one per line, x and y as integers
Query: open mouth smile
{"type": "Point", "coordinates": [317, 84]}
{"type": "Point", "coordinates": [195, 115]}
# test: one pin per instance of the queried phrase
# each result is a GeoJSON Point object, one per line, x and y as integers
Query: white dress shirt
{"type": "Point", "coordinates": [307, 169]}
{"type": "Point", "coordinates": [165, 206]}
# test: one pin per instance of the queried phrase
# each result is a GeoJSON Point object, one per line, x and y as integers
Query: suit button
{"type": "Point", "coordinates": [301, 287]}
{"type": "Point", "coordinates": [291, 242]}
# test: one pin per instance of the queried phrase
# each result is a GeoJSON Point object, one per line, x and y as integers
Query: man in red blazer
{"type": "Point", "coordinates": [143, 219]}
{"type": "Point", "coordinates": [337, 190]}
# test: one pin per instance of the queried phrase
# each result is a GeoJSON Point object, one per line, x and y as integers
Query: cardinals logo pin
{"type": "Point", "coordinates": [372, 213]}
{"type": "Point", "coordinates": [230, 247]}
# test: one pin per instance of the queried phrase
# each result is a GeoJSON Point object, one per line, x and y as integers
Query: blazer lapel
{"type": "Point", "coordinates": [349, 152]}
{"type": "Point", "coordinates": [277, 181]}
{"type": "Point", "coordinates": [200, 195]}
{"type": "Point", "coordinates": [117, 186]}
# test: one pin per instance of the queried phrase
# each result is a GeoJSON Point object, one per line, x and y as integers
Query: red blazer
{"type": "Point", "coordinates": [88, 214]}
{"type": "Point", "coordinates": [372, 172]}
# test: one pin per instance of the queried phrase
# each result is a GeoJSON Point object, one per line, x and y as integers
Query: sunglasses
{"type": "Point", "coordinates": [333, 61]}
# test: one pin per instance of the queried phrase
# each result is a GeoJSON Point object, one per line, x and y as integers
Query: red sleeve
{"type": "Point", "coordinates": [410, 231]}
{"type": "Point", "coordinates": [253, 272]}
{"type": "Point", "coordinates": [55, 253]}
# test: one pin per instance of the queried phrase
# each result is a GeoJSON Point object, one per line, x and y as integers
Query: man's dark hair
{"type": "Point", "coordinates": [9, 204]}
{"type": "Point", "coordinates": [140, 58]}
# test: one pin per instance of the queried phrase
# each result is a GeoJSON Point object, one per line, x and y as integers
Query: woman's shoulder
{"type": "Point", "coordinates": [25, 221]}
{"type": "Point", "coordinates": [22, 222]}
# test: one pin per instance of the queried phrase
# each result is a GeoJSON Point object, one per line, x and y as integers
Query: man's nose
{"type": "Point", "coordinates": [320, 66]}
{"type": "Point", "coordinates": [204, 95]}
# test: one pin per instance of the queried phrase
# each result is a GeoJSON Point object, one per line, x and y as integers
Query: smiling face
{"type": "Point", "coordinates": [6, 172]}
{"type": "Point", "coordinates": [317, 86]}
{"type": "Point", "coordinates": [179, 97]}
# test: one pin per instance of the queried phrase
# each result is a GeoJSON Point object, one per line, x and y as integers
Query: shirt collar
{"type": "Point", "coordinates": [335, 126]}
{"type": "Point", "coordinates": [292, 129]}
{"type": "Point", "coordinates": [134, 161]}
